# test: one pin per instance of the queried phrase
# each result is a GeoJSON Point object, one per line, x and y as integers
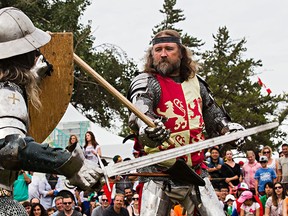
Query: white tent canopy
{"type": "Point", "coordinates": [111, 144]}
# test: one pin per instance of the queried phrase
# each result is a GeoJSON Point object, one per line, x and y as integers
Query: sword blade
{"type": "Point", "coordinates": [147, 160]}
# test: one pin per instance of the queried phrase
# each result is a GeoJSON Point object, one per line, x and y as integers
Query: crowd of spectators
{"type": "Point", "coordinates": [257, 186]}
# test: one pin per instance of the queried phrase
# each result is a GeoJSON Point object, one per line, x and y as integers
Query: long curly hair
{"type": "Point", "coordinates": [16, 69]}
{"type": "Point", "coordinates": [274, 195]}
{"type": "Point", "coordinates": [188, 67]}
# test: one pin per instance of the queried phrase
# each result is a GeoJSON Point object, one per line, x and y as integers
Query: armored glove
{"type": "Point", "coordinates": [17, 153]}
{"type": "Point", "coordinates": [234, 127]}
{"type": "Point", "coordinates": [153, 137]}
{"type": "Point", "coordinates": [81, 172]}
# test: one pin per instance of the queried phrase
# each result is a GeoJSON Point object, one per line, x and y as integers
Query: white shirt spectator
{"type": "Point", "coordinates": [45, 192]}
{"type": "Point", "coordinates": [33, 187]}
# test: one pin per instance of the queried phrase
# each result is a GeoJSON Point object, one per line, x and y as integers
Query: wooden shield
{"type": "Point", "coordinates": [56, 90]}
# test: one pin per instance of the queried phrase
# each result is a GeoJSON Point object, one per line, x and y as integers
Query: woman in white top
{"type": "Point", "coordinates": [133, 208]}
{"type": "Point", "coordinates": [272, 163]}
{"type": "Point", "coordinates": [91, 147]}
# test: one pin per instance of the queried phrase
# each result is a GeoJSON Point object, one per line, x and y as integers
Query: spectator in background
{"type": "Point", "coordinates": [117, 159]}
{"type": "Point", "coordinates": [263, 175]}
{"type": "Point", "coordinates": [249, 170]}
{"type": "Point", "coordinates": [272, 162]}
{"type": "Point", "coordinates": [98, 211]}
{"type": "Point", "coordinates": [73, 139]}
{"type": "Point", "coordinates": [91, 147]}
{"type": "Point", "coordinates": [49, 188]}
{"type": "Point", "coordinates": [215, 163]}
{"type": "Point", "coordinates": [33, 187]}
{"type": "Point", "coordinates": [34, 200]}
{"type": "Point", "coordinates": [224, 191]}
{"type": "Point", "coordinates": [20, 188]}
{"type": "Point", "coordinates": [268, 193]}
{"type": "Point", "coordinates": [68, 207]}
{"type": "Point", "coordinates": [38, 210]}
{"type": "Point", "coordinates": [50, 211]}
{"type": "Point", "coordinates": [134, 207]}
{"type": "Point", "coordinates": [93, 204]}
{"type": "Point", "coordinates": [274, 204]}
{"type": "Point", "coordinates": [249, 205]}
{"type": "Point", "coordinates": [228, 202]}
{"type": "Point", "coordinates": [128, 194]}
{"type": "Point", "coordinates": [283, 167]}
{"type": "Point", "coordinates": [27, 205]}
{"type": "Point", "coordinates": [117, 208]}
{"type": "Point", "coordinates": [230, 171]}
{"type": "Point", "coordinates": [120, 182]}
{"type": "Point", "coordinates": [136, 153]}
{"type": "Point", "coordinates": [236, 204]}
{"type": "Point", "coordinates": [58, 205]}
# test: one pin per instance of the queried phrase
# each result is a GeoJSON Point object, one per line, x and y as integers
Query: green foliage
{"type": "Point", "coordinates": [230, 77]}
{"type": "Point", "coordinates": [173, 16]}
{"type": "Point", "coordinates": [91, 98]}
{"type": "Point", "coordinates": [109, 61]}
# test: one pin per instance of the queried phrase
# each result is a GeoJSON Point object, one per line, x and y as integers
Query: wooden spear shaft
{"type": "Point", "coordinates": [115, 93]}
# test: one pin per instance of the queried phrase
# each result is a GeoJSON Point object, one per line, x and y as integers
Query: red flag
{"type": "Point", "coordinates": [260, 82]}
{"type": "Point", "coordinates": [268, 90]}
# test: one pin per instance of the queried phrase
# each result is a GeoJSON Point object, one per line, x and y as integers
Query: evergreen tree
{"type": "Point", "coordinates": [109, 61]}
{"type": "Point", "coordinates": [230, 77]}
{"type": "Point", "coordinates": [172, 17]}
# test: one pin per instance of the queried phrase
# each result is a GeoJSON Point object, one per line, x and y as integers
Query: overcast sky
{"type": "Point", "coordinates": [128, 24]}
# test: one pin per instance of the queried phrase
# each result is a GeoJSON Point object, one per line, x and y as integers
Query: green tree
{"type": "Point", "coordinates": [173, 16]}
{"type": "Point", "coordinates": [107, 60]}
{"type": "Point", "coordinates": [230, 77]}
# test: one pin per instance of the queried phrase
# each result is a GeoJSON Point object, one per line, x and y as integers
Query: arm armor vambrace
{"type": "Point", "coordinates": [144, 93]}
{"type": "Point", "coordinates": [26, 154]}
{"type": "Point", "coordinates": [215, 118]}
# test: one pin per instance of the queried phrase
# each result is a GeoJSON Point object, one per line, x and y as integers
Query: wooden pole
{"type": "Point", "coordinates": [115, 93]}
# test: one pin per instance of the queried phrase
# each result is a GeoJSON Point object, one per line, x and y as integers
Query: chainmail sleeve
{"type": "Point", "coordinates": [215, 118]}
{"type": "Point", "coordinates": [144, 93]}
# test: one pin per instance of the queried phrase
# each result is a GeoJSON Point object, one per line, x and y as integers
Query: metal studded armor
{"type": "Point", "coordinates": [185, 108]}
{"type": "Point", "coordinates": [19, 39]}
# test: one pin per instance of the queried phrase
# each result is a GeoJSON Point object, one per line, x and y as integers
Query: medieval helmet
{"type": "Point", "coordinates": [18, 35]}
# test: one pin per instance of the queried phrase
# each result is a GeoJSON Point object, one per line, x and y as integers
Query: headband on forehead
{"type": "Point", "coordinates": [166, 40]}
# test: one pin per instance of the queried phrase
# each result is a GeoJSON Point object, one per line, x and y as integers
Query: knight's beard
{"type": "Point", "coordinates": [165, 67]}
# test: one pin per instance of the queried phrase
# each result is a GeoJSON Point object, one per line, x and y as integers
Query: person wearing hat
{"type": "Point", "coordinates": [228, 202]}
{"type": "Point", "coordinates": [249, 205]}
{"type": "Point", "coordinates": [263, 175]}
{"type": "Point", "coordinates": [117, 159]}
{"type": "Point", "coordinates": [242, 187]}
{"type": "Point", "coordinates": [22, 67]}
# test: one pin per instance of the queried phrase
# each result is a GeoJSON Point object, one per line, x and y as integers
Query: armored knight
{"type": "Point", "coordinates": [180, 104]}
{"type": "Point", "coordinates": [20, 70]}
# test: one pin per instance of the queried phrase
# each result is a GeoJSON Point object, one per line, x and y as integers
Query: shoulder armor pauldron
{"type": "Point", "coordinates": [11, 86]}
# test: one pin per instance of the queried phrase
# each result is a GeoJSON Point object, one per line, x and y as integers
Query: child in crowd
{"type": "Point", "coordinates": [228, 202]}
{"type": "Point", "coordinates": [249, 207]}
{"type": "Point", "coordinates": [263, 175]}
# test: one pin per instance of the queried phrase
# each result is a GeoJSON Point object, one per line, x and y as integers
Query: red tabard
{"type": "Point", "coordinates": [181, 104]}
